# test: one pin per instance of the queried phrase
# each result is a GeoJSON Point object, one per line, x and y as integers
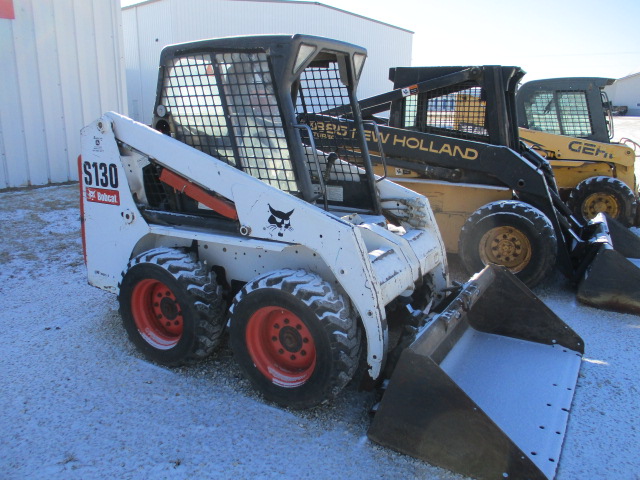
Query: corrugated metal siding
{"type": "Point", "coordinates": [62, 64]}
{"type": "Point", "coordinates": [150, 26]}
{"type": "Point", "coordinates": [143, 49]}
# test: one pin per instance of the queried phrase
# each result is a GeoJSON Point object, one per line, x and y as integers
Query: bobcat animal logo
{"type": "Point", "coordinates": [279, 221]}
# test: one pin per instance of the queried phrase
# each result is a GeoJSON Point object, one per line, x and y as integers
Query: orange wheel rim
{"type": "Point", "coordinates": [281, 346]}
{"type": "Point", "coordinates": [157, 314]}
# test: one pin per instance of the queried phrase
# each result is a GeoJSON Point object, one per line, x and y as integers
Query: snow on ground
{"type": "Point", "coordinates": [79, 402]}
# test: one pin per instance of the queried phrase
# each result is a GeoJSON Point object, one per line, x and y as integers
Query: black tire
{"type": "Point", "coordinates": [509, 233]}
{"type": "Point", "coordinates": [294, 338]}
{"type": "Point", "coordinates": [603, 194]}
{"type": "Point", "coordinates": [188, 321]}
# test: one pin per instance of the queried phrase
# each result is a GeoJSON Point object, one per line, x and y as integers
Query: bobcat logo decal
{"type": "Point", "coordinates": [279, 221]}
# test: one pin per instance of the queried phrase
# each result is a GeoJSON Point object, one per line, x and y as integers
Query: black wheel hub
{"type": "Point", "coordinates": [169, 308]}
{"type": "Point", "coordinates": [290, 339]}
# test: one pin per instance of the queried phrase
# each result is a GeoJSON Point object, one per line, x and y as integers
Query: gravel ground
{"type": "Point", "coordinates": [79, 402]}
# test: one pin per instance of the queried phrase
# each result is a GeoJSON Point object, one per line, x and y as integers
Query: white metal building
{"type": "Point", "coordinates": [151, 25]}
{"type": "Point", "coordinates": [626, 92]}
{"type": "Point", "coordinates": [62, 66]}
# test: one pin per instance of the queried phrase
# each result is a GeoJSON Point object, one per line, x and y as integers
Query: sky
{"type": "Point", "coordinates": [546, 38]}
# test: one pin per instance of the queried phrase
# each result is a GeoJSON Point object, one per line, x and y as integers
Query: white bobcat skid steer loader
{"type": "Point", "coordinates": [226, 213]}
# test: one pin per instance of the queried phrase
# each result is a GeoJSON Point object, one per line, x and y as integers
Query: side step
{"type": "Point", "coordinates": [486, 387]}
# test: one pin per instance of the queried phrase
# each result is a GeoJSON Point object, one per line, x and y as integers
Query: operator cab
{"type": "Point", "coordinates": [251, 104]}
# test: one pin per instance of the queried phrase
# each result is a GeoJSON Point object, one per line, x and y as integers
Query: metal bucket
{"type": "Point", "coordinates": [486, 387]}
{"type": "Point", "coordinates": [611, 280]}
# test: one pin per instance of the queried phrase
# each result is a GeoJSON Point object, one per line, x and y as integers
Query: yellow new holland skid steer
{"type": "Point", "coordinates": [452, 135]}
{"type": "Point", "coordinates": [569, 122]}
{"type": "Point", "coordinates": [227, 214]}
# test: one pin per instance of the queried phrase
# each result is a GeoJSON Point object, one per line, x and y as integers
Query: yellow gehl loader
{"type": "Point", "coordinates": [227, 214]}
{"type": "Point", "coordinates": [568, 121]}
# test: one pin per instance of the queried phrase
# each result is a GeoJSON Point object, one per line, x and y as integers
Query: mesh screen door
{"type": "Point", "coordinates": [224, 105]}
{"type": "Point", "coordinates": [458, 112]}
{"type": "Point", "coordinates": [560, 113]}
{"type": "Point", "coordinates": [321, 89]}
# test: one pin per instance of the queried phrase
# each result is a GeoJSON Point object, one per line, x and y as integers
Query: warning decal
{"type": "Point", "coordinates": [411, 90]}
